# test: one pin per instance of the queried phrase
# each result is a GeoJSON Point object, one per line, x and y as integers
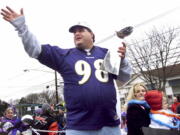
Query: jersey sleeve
{"type": "Point", "coordinates": [52, 56]}
{"type": "Point", "coordinates": [29, 40]}
{"type": "Point", "coordinates": [125, 71]}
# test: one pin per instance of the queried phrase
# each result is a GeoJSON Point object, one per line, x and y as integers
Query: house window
{"type": "Point", "coordinates": [174, 82]}
{"type": "Point", "coordinates": [150, 86]}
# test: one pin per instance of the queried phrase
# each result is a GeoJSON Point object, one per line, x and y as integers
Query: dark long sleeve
{"type": "Point", "coordinates": [137, 117]}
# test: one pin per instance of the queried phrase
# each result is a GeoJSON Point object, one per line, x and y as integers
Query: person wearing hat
{"type": "Point", "coordinates": [46, 121]}
{"type": "Point", "coordinates": [90, 93]}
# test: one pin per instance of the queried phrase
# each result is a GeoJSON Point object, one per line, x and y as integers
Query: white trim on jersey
{"type": "Point", "coordinates": [118, 103]}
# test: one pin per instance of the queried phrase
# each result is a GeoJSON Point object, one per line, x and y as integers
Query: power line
{"type": "Point", "coordinates": [178, 28]}
{"type": "Point", "coordinates": [15, 77]}
{"type": "Point", "coordinates": [23, 73]}
{"type": "Point", "coordinates": [156, 17]}
{"type": "Point", "coordinates": [33, 88]}
{"type": "Point", "coordinates": [142, 23]}
{"type": "Point", "coordinates": [26, 87]}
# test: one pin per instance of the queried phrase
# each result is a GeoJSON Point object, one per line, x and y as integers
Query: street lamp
{"type": "Point", "coordinates": [28, 70]}
{"type": "Point", "coordinates": [55, 76]}
{"type": "Point", "coordinates": [56, 87]}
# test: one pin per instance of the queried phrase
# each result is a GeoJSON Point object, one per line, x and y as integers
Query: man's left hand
{"type": "Point", "coordinates": [122, 50]}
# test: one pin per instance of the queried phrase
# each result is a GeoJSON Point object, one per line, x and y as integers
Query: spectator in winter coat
{"type": "Point", "coordinates": [175, 104]}
{"type": "Point", "coordinates": [137, 110]}
{"type": "Point", "coordinates": [47, 121]}
{"type": "Point", "coordinates": [10, 124]}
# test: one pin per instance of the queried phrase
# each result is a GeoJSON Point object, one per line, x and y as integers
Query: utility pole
{"type": "Point", "coordinates": [55, 78]}
{"type": "Point", "coordinates": [56, 87]}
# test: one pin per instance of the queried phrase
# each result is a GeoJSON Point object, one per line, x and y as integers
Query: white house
{"type": "Point", "coordinates": [172, 85]}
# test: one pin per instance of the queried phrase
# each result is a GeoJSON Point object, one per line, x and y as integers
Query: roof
{"type": "Point", "coordinates": [171, 71]}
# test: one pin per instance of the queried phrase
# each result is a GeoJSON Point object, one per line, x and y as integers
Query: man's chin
{"type": "Point", "coordinates": [80, 46]}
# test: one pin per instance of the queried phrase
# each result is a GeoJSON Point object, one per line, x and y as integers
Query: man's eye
{"type": "Point", "coordinates": [81, 30]}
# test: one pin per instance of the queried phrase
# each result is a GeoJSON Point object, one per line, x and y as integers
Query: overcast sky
{"type": "Point", "coordinates": [50, 20]}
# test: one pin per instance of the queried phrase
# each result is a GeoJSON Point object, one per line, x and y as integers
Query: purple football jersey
{"type": "Point", "coordinates": [89, 92]}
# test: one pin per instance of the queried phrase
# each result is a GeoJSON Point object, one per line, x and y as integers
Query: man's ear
{"type": "Point", "coordinates": [93, 36]}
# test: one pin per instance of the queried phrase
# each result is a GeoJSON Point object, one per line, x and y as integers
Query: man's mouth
{"type": "Point", "coordinates": [78, 38]}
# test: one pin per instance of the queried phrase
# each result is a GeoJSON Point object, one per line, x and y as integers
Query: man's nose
{"type": "Point", "coordinates": [76, 33]}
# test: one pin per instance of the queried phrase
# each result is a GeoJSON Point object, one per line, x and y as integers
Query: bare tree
{"type": "Point", "coordinates": [3, 106]}
{"type": "Point", "coordinates": [23, 100]}
{"type": "Point", "coordinates": [47, 96]}
{"type": "Point", "coordinates": [156, 57]}
{"type": "Point", "coordinates": [32, 98]}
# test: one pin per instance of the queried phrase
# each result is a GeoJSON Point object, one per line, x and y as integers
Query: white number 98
{"type": "Point", "coordinates": [84, 69]}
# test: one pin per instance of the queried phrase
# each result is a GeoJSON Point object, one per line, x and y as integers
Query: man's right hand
{"type": "Point", "coordinates": [9, 14]}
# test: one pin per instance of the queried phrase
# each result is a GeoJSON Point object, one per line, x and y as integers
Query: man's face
{"type": "Point", "coordinates": [83, 39]}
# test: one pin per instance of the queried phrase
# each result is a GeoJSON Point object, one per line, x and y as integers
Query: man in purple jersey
{"type": "Point", "coordinates": [89, 92]}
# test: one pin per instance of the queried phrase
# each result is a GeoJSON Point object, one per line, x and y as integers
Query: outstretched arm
{"type": "Point", "coordinates": [31, 45]}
